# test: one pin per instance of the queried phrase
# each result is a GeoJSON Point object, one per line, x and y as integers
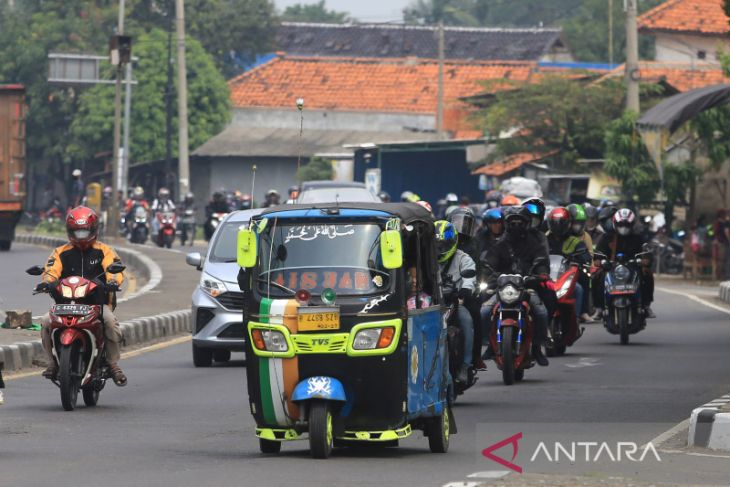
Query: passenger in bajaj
{"type": "Point", "coordinates": [452, 262]}
{"type": "Point", "coordinates": [562, 242]}
{"type": "Point", "coordinates": [624, 241]}
{"type": "Point", "coordinates": [519, 252]}
{"type": "Point", "coordinates": [86, 257]}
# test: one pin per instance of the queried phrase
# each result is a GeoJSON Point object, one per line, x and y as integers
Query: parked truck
{"type": "Point", "coordinates": [12, 160]}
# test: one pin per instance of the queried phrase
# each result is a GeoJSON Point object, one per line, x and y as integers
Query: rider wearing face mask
{"type": "Point", "coordinates": [625, 241]}
{"type": "Point", "coordinates": [519, 251]}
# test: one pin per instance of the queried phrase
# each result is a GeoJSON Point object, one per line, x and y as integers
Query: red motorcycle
{"type": "Point", "coordinates": [563, 325]}
{"type": "Point", "coordinates": [77, 334]}
{"type": "Point", "coordinates": [167, 223]}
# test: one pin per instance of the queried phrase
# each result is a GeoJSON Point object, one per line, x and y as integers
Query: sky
{"type": "Point", "coordinates": [364, 10]}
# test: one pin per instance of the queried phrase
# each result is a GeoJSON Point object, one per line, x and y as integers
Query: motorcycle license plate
{"type": "Point", "coordinates": [318, 319]}
{"type": "Point", "coordinates": [71, 309]}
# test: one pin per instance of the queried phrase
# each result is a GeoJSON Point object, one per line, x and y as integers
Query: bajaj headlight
{"type": "Point", "coordinates": [509, 294]}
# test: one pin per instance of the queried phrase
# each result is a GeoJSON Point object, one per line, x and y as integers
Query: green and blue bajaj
{"type": "Point", "coordinates": [335, 351]}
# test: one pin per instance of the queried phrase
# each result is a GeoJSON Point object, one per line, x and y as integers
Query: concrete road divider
{"type": "Point", "coordinates": [725, 291]}
{"type": "Point", "coordinates": [709, 425]}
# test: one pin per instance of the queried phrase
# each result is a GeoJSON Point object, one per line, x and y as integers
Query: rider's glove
{"type": "Point", "coordinates": [44, 287]}
{"type": "Point", "coordinates": [111, 287]}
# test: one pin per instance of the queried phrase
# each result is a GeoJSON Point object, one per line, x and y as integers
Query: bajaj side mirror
{"type": "Point", "coordinates": [115, 268]}
{"type": "Point", "coordinates": [194, 259]}
{"type": "Point", "coordinates": [36, 270]}
{"type": "Point", "coordinates": [391, 249]}
{"type": "Point", "coordinates": [246, 248]}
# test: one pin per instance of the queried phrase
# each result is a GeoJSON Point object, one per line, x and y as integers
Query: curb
{"type": "Point", "coordinates": [725, 291]}
{"type": "Point", "coordinates": [709, 425]}
{"type": "Point", "coordinates": [138, 331]}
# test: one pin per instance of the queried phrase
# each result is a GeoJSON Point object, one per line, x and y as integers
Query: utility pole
{"type": "Point", "coordinates": [633, 75]}
{"type": "Point", "coordinates": [182, 101]}
{"type": "Point", "coordinates": [114, 213]}
{"type": "Point", "coordinates": [610, 32]}
{"type": "Point", "coordinates": [440, 94]}
{"type": "Point", "coordinates": [168, 180]}
{"type": "Point", "coordinates": [127, 115]}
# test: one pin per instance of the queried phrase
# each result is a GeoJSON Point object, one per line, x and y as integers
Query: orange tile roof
{"type": "Point", "coordinates": [366, 84]}
{"type": "Point", "coordinates": [681, 76]}
{"type": "Point", "coordinates": [696, 16]}
{"type": "Point", "coordinates": [510, 163]}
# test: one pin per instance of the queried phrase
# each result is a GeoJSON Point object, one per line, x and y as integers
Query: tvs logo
{"type": "Point", "coordinates": [512, 440]}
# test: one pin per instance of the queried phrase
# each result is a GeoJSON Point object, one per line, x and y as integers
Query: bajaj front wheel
{"type": "Point", "coordinates": [508, 359]}
{"type": "Point", "coordinates": [68, 375]}
{"type": "Point", "coordinates": [438, 434]}
{"type": "Point", "coordinates": [321, 434]}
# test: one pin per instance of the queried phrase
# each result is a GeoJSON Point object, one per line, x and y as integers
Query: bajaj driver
{"type": "Point", "coordinates": [86, 257]}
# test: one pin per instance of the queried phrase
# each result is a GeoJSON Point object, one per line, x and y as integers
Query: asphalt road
{"type": "Point", "coordinates": [177, 425]}
{"type": "Point", "coordinates": [16, 288]}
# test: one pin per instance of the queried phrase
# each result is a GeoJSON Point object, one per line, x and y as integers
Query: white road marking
{"type": "Point", "coordinates": [694, 298]}
{"type": "Point", "coordinates": [584, 362]}
{"type": "Point", "coordinates": [462, 484]}
{"type": "Point", "coordinates": [695, 454]}
{"type": "Point", "coordinates": [489, 474]}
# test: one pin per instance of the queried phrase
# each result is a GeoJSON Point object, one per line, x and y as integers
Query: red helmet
{"type": "Point", "coordinates": [559, 221]}
{"type": "Point", "coordinates": [82, 227]}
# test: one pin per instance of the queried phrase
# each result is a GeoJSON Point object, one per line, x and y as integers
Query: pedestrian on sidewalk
{"type": "Point", "coordinates": [2, 384]}
{"type": "Point", "coordinates": [722, 241]}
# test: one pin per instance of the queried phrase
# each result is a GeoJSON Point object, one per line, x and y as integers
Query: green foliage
{"type": "Point", "coordinates": [628, 161]}
{"type": "Point", "coordinates": [317, 169]}
{"type": "Point", "coordinates": [557, 114]}
{"type": "Point", "coordinates": [712, 128]}
{"type": "Point", "coordinates": [314, 12]}
{"type": "Point", "coordinates": [585, 22]}
{"type": "Point", "coordinates": [208, 104]}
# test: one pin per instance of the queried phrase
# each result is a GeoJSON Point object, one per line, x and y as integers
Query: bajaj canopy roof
{"type": "Point", "coordinates": [407, 212]}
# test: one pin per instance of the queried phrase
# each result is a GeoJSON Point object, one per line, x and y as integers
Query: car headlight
{"type": "Point", "coordinates": [373, 338]}
{"type": "Point", "coordinates": [621, 272]}
{"type": "Point", "coordinates": [564, 287]}
{"type": "Point", "coordinates": [509, 294]}
{"type": "Point", "coordinates": [269, 340]}
{"type": "Point", "coordinates": [212, 286]}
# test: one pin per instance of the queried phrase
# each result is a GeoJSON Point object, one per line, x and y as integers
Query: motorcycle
{"type": "Point", "coordinates": [668, 255]}
{"type": "Point", "coordinates": [139, 230]}
{"type": "Point", "coordinates": [623, 314]}
{"type": "Point", "coordinates": [511, 337]}
{"type": "Point", "coordinates": [211, 224]}
{"type": "Point", "coordinates": [166, 223]}
{"type": "Point", "coordinates": [187, 226]}
{"type": "Point", "coordinates": [563, 325]}
{"type": "Point", "coordinates": [77, 335]}
{"type": "Point", "coordinates": [455, 342]}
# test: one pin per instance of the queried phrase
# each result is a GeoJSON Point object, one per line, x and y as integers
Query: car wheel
{"type": "Point", "coordinates": [202, 357]}
{"type": "Point", "coordinates": [222, 355]}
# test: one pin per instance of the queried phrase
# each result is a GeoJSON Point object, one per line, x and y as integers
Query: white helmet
{"type": "Point", "coordinates": [76, 173]}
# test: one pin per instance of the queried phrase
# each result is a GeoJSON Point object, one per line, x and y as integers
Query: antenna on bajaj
{"type": "Point", "coordinates": [300, 107]}
{"type": "Point", "coordinates": [253, 185]}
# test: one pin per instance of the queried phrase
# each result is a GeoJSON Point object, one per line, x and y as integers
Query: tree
{"type": "Point", "coordinates": [208, 104]}
{"type": "Point", "coordinates": [318, 169]}
{"type": "Point", "coordinates": [558, 114]}
{"type": "Point", "coordinates": [314, 12]}
{"type": "Point", "coordinates": [628, 161]}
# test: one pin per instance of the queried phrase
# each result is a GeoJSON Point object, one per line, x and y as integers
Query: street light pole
{"type": "Point", "coordinates": [633, 74]}
{"type": "Point", "coordinates": [182, 100]}
{"type": "Point", "coordinates": [114, 213]}
{"type": "Point", "coordinates": [127, 115]}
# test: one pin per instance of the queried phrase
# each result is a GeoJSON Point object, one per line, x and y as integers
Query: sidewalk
{"type": "Point", "coordinates": [148, 314]}
{"type": "Point", "coordinates": [707, 291]}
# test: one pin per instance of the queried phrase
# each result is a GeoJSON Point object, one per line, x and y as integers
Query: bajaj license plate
{"type": "Point", "coordinates": [318, 319]}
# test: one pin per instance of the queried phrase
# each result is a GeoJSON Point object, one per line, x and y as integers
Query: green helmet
{"type": "Point", "coordinates": [446, 240]}
{"type": "Point", "coordinates": [578, 218]}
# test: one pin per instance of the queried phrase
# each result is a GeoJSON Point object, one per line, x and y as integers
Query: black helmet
{"type": "Point", "coordinates": [537, 211]}
{"type": "Point", "coordinates": [464, 221]}
{"type": "Point", "coordinates": [516, 222]}
{"type": "Point", "coordinates": [384, 196]}
{"type": "Point", "coordinates": [605, 217]}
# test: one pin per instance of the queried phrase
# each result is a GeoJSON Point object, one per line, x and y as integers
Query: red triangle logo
{"type": "Point", "coordinates": [512, 440]}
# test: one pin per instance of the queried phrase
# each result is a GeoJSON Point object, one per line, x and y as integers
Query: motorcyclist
{"type": "Point", "coordinates": [135, 200]}
{"type": "Point", "coordinates": [161, 204]}
{"type": "Point", "coordinates": [625, 241]}
{"type": "Point", "coordinates": [452, 262]}
{"type": "Point", "coordinates": [426, 205]}
{"type": "Point", "coordinates": [592, 227]}
{"type": "Point", "coordinates": [510, 200]}
{"type": "Point", "coordinates": [536, 207]}
{"type": "Point", "coordinates": [246, 202]}
{"type": "Point", "coordinates": [493, 199]}
{"type": "Point", "coordinates": [492, 229]}
{"type": "Point", "coordinates": [384, 196]}
{"type": "Point", "coordinates": [563, 242]}
{"type": "Point", "coordinates": [578, 219]}
{"type": "Point", "coordinates": [409, 197]}
{"type": "Point", "coordinates": [293, 195]}
{"type": "Point", "coordinates": [86, 257]}
{"type": "Point", "coordinates": [519, 251]}
{"type": "Point", "coordinates": [271, 198]}
{"type": "Point", "coordinates": [186, 222]}
{"type": "Point", "coordinates": [217, 204]}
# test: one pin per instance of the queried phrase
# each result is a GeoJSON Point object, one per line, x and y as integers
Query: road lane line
{"type": "Point", "coordinates": [694, 453]}
{"type": "Point", "coordinates": [694, 298]}
{"type": "Point", "coordinates": [125, 355]}
{"type": "Point", "coordinates": [489, 474]}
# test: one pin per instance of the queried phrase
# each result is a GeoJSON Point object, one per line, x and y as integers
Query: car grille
{"type": "Point", "coordinates": [233, 331]}
{"type": "Point", "coordinates": [231, 300]}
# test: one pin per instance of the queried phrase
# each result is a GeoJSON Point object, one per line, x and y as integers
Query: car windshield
{"type": "Point", "coordinates": [224, 249]}
{"type": "Point", "coordinates": [343, 257]}
{"type": "Point", "coordinates": [333, 195]}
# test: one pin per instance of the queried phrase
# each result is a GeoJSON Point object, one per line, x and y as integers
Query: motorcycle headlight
{"type": "Point", "coordinates": [621, 272]}
{"type": "Point", "coordinates": [509, 294]}
{"type": "Point", "coordinates": [564, 287]}
{"type": "Point", "coordinates": [66, 292]}
{"type": "Point", "coordinates": [81, 291]}
{"type": "Point", "coordinates": [212, 286]}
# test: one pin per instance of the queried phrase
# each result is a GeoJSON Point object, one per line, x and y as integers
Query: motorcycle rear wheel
{"type": "Point", "coordinates": [68, 371]}
{"type": "Point", "coordinates": [508, 360]}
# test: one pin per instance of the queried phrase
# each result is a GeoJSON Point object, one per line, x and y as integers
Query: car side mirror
{"type": "Point", "coordinates": [194, 259]}
{"type": "Point", "coordinates": [115, 268]}
{"type": "Point", "coordinates": [36, 270]}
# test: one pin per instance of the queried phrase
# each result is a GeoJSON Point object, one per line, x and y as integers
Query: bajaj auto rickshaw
{"type": "Point", "coordinates": [335, 351]}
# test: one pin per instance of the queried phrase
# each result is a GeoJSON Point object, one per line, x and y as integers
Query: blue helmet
{"type": "Point", "coordinates": [493, 215]}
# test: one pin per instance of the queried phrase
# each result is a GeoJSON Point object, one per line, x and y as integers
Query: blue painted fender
{"type": "Point", "coordinates": [319, 387]}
